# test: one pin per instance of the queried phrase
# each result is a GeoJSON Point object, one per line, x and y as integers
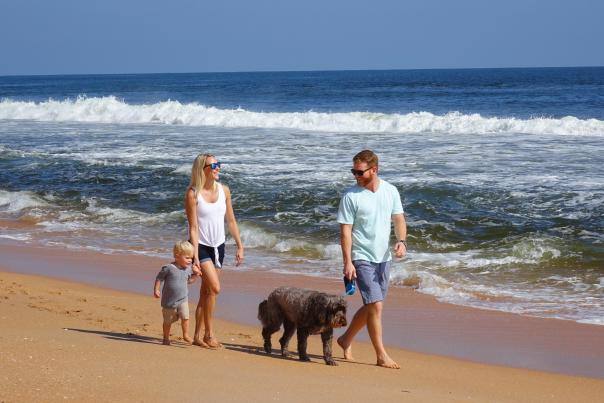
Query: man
{"type": "Point", "coordinates": [365, 213]}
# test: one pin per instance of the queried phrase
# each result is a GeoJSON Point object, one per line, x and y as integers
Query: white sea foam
{"type": "Point", "coordinates": [255, 237]}
{"type": "Point", "coordinates": [112, 110]}
{"type": "Point", "coordinates": [17, 237]}
{"type": "Point", "coordinates": [13, 202]}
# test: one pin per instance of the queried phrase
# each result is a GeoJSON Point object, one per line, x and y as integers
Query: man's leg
{"type": "Point", "coordinates": [374, 327]}
{"type": "Point", "coordinates": [359, 320]}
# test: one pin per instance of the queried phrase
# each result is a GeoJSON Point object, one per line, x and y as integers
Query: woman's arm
{"type": "Point", "coordinates": [233, 227]}
{"type": "Point", "coordinates": [191, 210]}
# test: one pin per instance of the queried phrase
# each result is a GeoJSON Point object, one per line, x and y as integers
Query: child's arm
{"type": "Point", "coordinates": [196, 272]}
{"type": "Point", "coordinates": [156, 291]}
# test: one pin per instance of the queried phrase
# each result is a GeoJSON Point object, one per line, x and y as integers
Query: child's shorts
{"type": "Point", "coordinates": [172, 315]}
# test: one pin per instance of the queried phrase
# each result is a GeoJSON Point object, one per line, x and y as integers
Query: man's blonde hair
{"type": "Point", "coordinates": [183, 248]}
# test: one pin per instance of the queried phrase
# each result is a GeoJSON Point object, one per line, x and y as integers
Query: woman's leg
{"type": "Point", "coordinates": [209, 291]}
{"type": "Point", "coordinates": [197, 338]}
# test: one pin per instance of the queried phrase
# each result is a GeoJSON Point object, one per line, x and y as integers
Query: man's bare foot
{"type": "Point", "coordinates": [187, 338]}
{"type": "Point", "coordinates": [346, 349]}
{"type": "Point", "coordinates": [166, 342]}
{"type": "Point", "coordinates": [212, 342]}
{"type": "Point", "coordinates": [387, 362]}
{"type": "Point", "coordinates": [200, 343]}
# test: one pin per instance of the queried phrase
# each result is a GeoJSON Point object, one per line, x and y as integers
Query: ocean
{"type": "Point", "coordinates": [501, 171]}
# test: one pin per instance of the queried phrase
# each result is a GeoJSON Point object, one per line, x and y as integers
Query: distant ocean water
{"type": "Point", "coordinates": [501, 171]}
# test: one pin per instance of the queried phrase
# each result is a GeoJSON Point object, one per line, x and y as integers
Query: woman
{"type": "Point", "coordinates": [207, 203]}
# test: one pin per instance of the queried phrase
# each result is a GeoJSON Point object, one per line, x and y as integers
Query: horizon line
{"type": "Point", "coordinates": [295, 71]}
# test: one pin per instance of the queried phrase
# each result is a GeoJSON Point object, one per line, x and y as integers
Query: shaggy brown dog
{"type": "Point", "coordinates": [308, 312]}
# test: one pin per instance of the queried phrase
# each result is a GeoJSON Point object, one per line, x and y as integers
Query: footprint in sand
{"type": "Point", "coordinates": [244, 335]}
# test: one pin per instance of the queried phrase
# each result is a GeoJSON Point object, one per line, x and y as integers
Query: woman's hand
{"type": "Point", "coordinates": [239, 256]}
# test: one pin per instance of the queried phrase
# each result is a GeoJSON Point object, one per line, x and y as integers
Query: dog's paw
{"type": "Point", "coordinates": [304, 358]}
{"type": "Point", "coordinates": [268, 348]}
{"type": "Point", "coordinates": [285, 354]}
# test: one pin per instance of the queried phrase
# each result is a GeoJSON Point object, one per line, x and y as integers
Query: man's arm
{"type": "Point", "coordinates": [400, 230]}
{"type": "Point", "coordinates": [346, 244]}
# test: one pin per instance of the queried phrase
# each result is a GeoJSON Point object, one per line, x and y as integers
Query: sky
{"type": "Point", "coordinates": [161, 36]}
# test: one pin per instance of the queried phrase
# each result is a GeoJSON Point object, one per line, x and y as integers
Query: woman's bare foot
{"type": "Point", "coordinates": [347, 349]}
{"type": "Point", "coordinates": [166, 342]}
{"type": "Point", "coordinates": [200, 343]}
{"type": "Point", "coordinates": [212, 342]}
{"type": "Point", "coordinates": [387, 362]}
{"type": "Point", "coordinates": [187, 338]}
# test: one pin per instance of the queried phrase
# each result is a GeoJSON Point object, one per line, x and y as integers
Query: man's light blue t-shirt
{"type": "Point", "coordinates": [370, 215]}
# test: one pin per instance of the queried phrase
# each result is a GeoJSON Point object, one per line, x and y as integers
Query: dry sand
{"type": "Point", "coordinates": [68, 341]}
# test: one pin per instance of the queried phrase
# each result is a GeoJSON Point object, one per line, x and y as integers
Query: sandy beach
{"type": "Point", "coordinates": [66, 340]}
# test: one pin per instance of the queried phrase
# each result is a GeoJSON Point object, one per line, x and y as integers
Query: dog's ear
{"type": "Point", "coordinates": [321, 308]}
{"type": "Point", "coordinates": [341, 305]}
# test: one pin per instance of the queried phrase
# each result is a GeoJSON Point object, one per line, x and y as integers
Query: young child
{"type": "Point", "coordinates": [175, 294]}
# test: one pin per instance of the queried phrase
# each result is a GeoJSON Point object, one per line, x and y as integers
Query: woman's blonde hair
{"type": "Point", "coordinates": [198, 177]}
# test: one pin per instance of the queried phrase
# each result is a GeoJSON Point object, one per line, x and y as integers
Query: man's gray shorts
{"type": "Point", "coordinates": [372, 280]}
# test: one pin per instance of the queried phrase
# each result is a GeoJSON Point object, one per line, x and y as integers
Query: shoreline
{"type": "Point", "coordinates": [412, 321]}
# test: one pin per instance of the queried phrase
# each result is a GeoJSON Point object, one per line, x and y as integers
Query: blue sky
{"type": "Point", "coordinates": [144, 36]}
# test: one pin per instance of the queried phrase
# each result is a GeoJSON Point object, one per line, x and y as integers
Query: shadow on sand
{"type": "Point", "coordinates": [293, 355]}
{"type": "Point", "coordinates": [132, 337]}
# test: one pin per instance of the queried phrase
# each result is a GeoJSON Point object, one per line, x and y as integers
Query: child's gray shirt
{"type": "Point", "coordinates": [175, 290]}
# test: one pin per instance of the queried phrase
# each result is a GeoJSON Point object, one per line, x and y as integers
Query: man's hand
{"type": "Point", "coordinates": [156, 293]}
{"type": "Point", "coordinates": [400, 250]}
{"type": "Point", "coordinates": [349, 271]}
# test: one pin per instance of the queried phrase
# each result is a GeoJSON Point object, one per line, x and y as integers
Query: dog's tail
{"type": "Point", "coordinates": [263, 312]}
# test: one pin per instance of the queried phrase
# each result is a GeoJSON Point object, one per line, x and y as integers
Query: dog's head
{"type": "Point", "coordinates": [336, 312]}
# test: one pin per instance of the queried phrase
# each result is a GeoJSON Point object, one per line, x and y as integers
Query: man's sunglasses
{"type": "Point", "coordinates": [359, 172]}
{"type": "Point", "coordinates": [213, 165]}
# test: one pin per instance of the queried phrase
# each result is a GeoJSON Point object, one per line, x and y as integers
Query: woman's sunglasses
{"type": "Point", "coordinates": [213, 165]}
{"type": "Point", "coordinates": [359, 172]}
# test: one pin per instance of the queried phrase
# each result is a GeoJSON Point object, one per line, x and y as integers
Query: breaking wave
{"type": "Point", "coordinates": [112, 110]}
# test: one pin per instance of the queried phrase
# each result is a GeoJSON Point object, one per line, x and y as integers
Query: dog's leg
{"type": "Point", "coordinates": [302, 342]}
{"type": "Point", "coordinates": [326, 338]}
{"type": "Point", "coordinates": [266, 335]}
{"type": "Point", "coordinates": [288, 331]}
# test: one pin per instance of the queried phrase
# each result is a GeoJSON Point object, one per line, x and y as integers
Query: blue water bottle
{"type": "Point", "coordinates": [349, 286]}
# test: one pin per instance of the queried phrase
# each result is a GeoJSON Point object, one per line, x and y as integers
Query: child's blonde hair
{"type": "Point", "coordinates": [183, 248]}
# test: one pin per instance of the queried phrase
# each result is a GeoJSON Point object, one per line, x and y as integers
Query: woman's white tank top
{"type": "Point", "coordinates": [210, 219]}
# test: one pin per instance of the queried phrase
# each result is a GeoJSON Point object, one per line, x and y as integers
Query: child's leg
{"type": "Point", "coordinates": [167, 327]}
{"type": "Point", "coordinates": [185, 330]}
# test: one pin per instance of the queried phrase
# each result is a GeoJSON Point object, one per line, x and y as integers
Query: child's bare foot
{"type": "Point", "coordinates": [387, 362]}
{"type": "Point", "coordinates": [166, 342]}
{"type": "Point", "coordinates": [187, 338]}
{"type": "Point", "coordinates": [212, 342]}
{"type": "Point", "coordinates": [347, 349]}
